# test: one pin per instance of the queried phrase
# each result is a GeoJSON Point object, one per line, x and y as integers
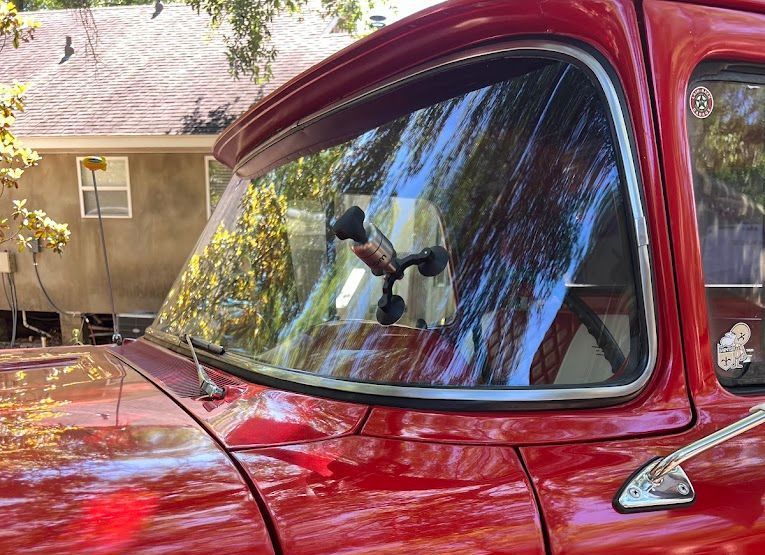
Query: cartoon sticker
{"type": "Point", "coordinates": [731, 353]}
{"type": "Point", "coordinates": [701, 102]}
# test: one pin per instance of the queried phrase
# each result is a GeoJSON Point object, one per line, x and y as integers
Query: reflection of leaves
{"type": "Point", "coordinates": [519, 172]}
{"type": "Point", "coordinates": [241, 285]}
{"type": "Point", "coordinates": [729, 145]}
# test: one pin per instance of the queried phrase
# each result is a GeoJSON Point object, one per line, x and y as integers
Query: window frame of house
{"type": "Point", "coordinates": [208, 159]}
{"type": "Point", "coordinates": [82, 188]}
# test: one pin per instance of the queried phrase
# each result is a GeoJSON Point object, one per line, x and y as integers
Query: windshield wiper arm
{"type": "Point", "coordinates": [208, 387]}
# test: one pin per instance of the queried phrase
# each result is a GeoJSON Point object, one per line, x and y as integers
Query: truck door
{"type": "Point", "coordinates": [707, 66]}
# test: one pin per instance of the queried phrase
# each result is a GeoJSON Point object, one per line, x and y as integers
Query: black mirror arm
{"type": "Point", "coordinates": [391, 307]}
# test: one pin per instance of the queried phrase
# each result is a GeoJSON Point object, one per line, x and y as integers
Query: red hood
{"type": "Point", "coordinates": [95, 459]}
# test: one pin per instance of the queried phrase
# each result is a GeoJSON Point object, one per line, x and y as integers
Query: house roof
{"type": "Point", "coordinates": [166, 75]}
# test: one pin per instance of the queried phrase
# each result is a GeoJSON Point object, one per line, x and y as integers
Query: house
{"type": "Point", "coordinates": [151, 91]}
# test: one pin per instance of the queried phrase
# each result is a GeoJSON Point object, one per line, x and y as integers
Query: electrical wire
{"type": "Point", "coordinates": [14, 316]}
{"type": "Point", "coordinates": [116, 336]}
{"type": "Point", "coordinates": [83, 319]}
{"type": "Point", "coordinates": [45, 291]}
{"type": "Point", "coordinates": [5, 292]}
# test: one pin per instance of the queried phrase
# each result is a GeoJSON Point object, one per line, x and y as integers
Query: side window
{"type": "Point", "coordinates": [113, 189]}
{"type": "Point", "coordinates": [726, 126]}
{"type": "Point", "coordinates": [217, 178]}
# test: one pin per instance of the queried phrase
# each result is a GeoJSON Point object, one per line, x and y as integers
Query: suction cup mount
{"type": "Point", "coordinates": [430, 262]}
{"type": "Point", "coordinates": [377, 252]}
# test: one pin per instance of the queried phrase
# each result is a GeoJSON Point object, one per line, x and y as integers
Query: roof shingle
{"type": "Point", "coordinates": [154, 76]}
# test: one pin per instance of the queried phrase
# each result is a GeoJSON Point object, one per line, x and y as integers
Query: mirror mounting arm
{"type": "Point", "coordinates": [390, 307]}
{"type": "Point", "coordinates": [663, 484]}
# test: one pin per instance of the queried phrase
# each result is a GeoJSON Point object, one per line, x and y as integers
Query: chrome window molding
{"type": "Point", "coordinates": [578, 57]}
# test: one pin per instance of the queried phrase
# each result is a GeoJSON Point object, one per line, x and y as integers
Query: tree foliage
{"type": "Point", "coordinates": [245, 274]}
{"type": "Point", "coordinates": [250, 50]}
{"type": "Point", "coordinates": [15, 158]}
{"type": "Point", "coordinates": [729, 147]}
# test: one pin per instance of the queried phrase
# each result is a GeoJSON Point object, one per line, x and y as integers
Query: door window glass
{"type": "Point", "coordinates": [726, 125]}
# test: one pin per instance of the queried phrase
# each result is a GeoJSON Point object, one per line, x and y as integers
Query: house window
{"type": "Point", "coordinates": [113, 189]}
{"type": "Point", "coordinates": [217, 179]}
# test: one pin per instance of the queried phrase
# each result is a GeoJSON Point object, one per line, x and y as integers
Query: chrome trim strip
{"type": "Point", "coordinates": [500, 394]}
{"type": "Point", "coordinates": [683, 454]}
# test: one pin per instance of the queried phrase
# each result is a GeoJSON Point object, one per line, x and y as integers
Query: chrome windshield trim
{"type": "Point", "coordinates": [499, 394]}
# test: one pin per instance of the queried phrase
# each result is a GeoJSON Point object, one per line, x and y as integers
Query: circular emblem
{"type": "Point", "coordinates": [701, 102]}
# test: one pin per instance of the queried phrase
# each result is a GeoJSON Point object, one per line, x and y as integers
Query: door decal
{"type": "Point", "coordinates": [701, 102]}
{"type": "Point", "coordinates": [731, 350]}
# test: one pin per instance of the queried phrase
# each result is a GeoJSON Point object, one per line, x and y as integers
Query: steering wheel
{"type": "Point", "coordinates": [597, 329]}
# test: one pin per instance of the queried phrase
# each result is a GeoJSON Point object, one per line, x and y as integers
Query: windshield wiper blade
{"type": "Point", "coordinates": [208, 387]}
{"type": "Point", "coordinates": [213, 348]}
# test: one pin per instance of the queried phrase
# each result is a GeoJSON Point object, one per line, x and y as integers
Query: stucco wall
{"type": "Point", "coordinates": [145, 252]}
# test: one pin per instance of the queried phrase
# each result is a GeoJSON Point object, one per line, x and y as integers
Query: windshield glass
{"type": "Point", "coordinates": [512, 170]}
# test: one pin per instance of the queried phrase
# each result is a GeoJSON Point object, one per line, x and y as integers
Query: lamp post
{"type": "Point", "coordinates": [94, 163]}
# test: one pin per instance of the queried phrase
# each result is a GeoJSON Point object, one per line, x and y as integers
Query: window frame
{"type": "Point", "coordinates": [83, 188]}
{"type": "Point", "coordinates": [209, 158]}
{"type": "Point", "coordinates": [499, 397]}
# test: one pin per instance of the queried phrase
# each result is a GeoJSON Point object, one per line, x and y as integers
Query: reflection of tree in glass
{"type": "Point", "coordinates": [240, 287]}
{"type": "Point", "coordinates": [729, 145]}
{"type": "Point", "coordinates": [489, 160]}
{"type": "Point", "coordinates": [519, 172]}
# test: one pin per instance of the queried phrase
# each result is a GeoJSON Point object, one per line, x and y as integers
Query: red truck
{"type": "Point", "coordinates": [487, 281]}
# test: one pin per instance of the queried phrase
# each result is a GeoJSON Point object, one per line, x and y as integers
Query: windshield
{"type": "Point", "coordinates": [511, 169]}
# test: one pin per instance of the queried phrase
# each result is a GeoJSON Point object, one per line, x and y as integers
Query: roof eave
{"type": "Point", "coordinates": [120, 143]}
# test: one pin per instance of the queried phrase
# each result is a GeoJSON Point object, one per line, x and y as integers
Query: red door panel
{"type": "Point", "coordinates": [365, 495]}
{"type": "Point", "coordinates": [611, 28]}
{"type": "Point", "coordinates": [577, 483]}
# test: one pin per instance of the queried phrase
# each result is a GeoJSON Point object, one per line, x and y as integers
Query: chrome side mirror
{"type": "Point", "coordinates": [663, 484]}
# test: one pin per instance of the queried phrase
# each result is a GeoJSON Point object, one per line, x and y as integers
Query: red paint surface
{"type": "Point", "coordinates": [96, 460]}
{"type": "Point", "coordinates": [251, 415]}
{"type": "Point", "coordinates": [577, 483]}
{"type": "Point", "coordinates": [81, 478]}
{"type": "Point", "coordinates": [358, 495]}
{"type": "Point", "coordinates": [525, 428]}
{"type": "Point", "coordinates": [744, 5]}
